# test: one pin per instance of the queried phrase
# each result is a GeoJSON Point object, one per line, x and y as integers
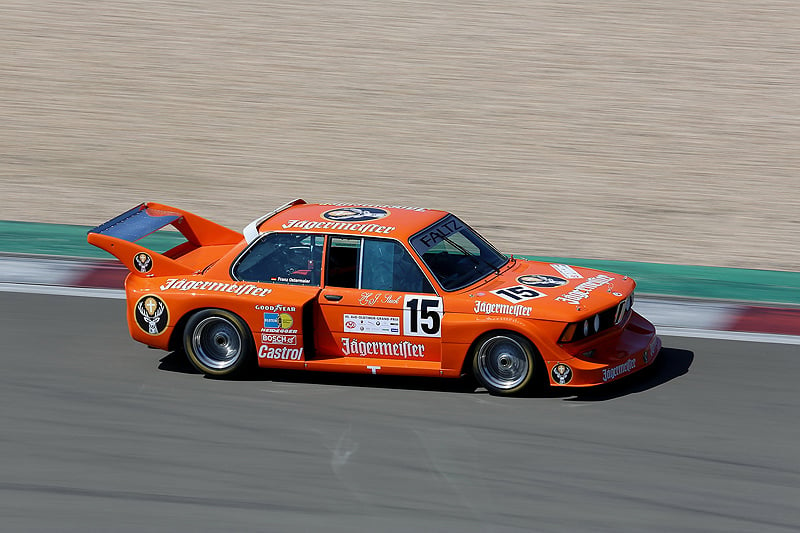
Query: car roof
{"type": "Point", "coordinates": [394, 221]}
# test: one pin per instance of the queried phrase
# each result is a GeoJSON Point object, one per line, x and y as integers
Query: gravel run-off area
{"type": "Point", "coordinates": [646, 131]}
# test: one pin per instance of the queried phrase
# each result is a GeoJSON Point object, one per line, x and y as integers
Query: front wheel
{"type": "Point", "coordinates": [504, 363]}
{"type": "Point", "coordinates": [218, 343]}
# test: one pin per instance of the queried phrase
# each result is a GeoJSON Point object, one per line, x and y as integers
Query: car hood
{"type": "Point", "coordinates": [550, 291]}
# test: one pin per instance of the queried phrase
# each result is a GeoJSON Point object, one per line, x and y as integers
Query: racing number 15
{"type": "Point", "coordinates": [422, 316]}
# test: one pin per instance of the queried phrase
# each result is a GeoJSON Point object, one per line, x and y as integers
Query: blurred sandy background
{"type": "Point", "coordinates": [646, 131]}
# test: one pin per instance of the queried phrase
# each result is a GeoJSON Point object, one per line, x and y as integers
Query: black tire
{"type": "Point", "coordinates": [505, 363]}
{"type": "Point", "coordinates": [218, 343]}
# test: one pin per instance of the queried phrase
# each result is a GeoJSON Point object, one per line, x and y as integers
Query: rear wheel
{"type": "Point", "coordinates": [218, 343]}
{"type": "Point", "coordinates": [504, 363]}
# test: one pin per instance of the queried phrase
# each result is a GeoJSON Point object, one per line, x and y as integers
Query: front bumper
{"type": "Point", "coordinates": [613, 356]}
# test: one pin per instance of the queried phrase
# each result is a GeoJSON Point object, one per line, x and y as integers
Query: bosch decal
{"type": "Point", "coordinates": [276, 338]}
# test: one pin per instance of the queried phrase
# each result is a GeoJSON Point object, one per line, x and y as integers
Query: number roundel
{"type": "Point", "coordinates": [422, 316]}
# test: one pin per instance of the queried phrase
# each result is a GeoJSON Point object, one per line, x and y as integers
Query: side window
{"type": "Point", "coordinates": [287, 258]}
{"type": "Point", "coordinates": [344, 254]}
{"type": "Point", "coordinates": [387, 266]}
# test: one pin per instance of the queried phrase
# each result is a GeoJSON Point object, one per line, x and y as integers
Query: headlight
{"type": "Point", "coordinates": [602, 321]}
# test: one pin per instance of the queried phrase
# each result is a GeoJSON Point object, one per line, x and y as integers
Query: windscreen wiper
{"type": "Point", "coordinates": [476, 258]}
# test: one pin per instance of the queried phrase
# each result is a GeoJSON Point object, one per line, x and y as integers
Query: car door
{"type": "Point", "coordinates": [291, 265]}
{"type": "Point", "coordinates": [377, 303]}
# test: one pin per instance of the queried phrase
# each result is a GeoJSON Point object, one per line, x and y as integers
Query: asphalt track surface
{"type": "Point", "coordinates": [102, 434]}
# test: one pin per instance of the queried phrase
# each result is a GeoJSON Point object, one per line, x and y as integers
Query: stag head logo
{"type": "Point", "coordinates": [151, 315]}
{"type": "Point", "coordinates": [143, 262]}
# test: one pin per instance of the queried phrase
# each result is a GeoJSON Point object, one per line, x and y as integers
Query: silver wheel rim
{"type": "Point", "coordinates": [502, 362]}
{"type": "Point", "coordinates": [216, 343]}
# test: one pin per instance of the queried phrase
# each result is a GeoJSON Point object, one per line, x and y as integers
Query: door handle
{"type": "Point", "coordinates": [333, 297]}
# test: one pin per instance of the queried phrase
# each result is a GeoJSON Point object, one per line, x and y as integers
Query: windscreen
{"type": "Point", "coordinates": [455, 254]}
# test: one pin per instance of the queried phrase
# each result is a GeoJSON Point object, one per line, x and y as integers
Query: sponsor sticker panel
{"type": "Point", "coordinates": [372, 324]}
{"type": "Point", "coordinates": [566, 271]}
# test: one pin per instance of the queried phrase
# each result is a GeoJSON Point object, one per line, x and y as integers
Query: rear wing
{"type": "Point", "coordinates": [118, 237]}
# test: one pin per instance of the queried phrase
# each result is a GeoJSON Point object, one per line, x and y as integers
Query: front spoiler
{"type": "Point", "coordinates": [633, 350]}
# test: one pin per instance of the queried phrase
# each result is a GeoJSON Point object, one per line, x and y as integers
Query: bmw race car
{"type": "Point", "coordinates": [374, 289]}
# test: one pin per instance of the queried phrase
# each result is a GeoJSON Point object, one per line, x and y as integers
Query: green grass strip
{"type": "Point", "coordinates": [652, 278]}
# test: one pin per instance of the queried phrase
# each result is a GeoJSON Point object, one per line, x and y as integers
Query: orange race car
{"type": "Point", "coordinates": [376, 289]}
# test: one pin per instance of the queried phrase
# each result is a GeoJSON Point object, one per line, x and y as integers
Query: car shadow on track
{"type": "Point", "coordinates": [671, 363]}
{"type": "Point", "coordinates": [177, 362]}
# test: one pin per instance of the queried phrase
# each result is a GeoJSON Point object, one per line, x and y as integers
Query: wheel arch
{"type": "Point", "coordinates": [176, 337]}
{"type": "Point", "coordinates": [540, 381]}
{"type": "Point", "coordinates": [466, 365]}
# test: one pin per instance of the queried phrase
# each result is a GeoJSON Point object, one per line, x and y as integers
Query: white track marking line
{"type": "Point", "coordinates": [769, 338]}
{"type": "Point", "coordinates": [52, 272]}
{"type": "Point", "coordinates": [117, 294]}
{"type": "Point", "coordinates": [691, 315]}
